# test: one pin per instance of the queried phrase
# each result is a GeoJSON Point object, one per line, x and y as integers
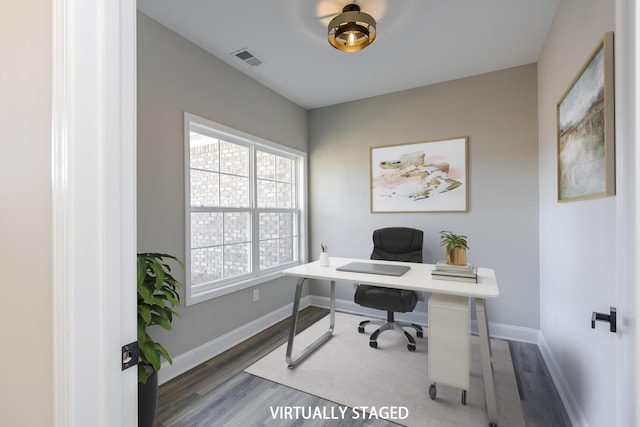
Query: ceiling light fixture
{"type": "Point", "coordinates": [352, 30]}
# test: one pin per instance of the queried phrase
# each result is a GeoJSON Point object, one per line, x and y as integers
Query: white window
{"type": "Point", "coordinates": [244, 216]}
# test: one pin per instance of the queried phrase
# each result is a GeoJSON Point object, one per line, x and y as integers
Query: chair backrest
{"type": "Point", "coordinates": [397, 244]}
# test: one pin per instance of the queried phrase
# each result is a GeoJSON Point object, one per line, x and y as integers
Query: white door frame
{"type": "Point", "coordinates": [94, 211]}
{"type": "Point", "coordinates": [627, 46]}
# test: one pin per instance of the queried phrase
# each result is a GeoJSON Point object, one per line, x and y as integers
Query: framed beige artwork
{"type": "Point", "coordinates": [586, 129]}
{"type": "Point", "coordinates": [428, 176]}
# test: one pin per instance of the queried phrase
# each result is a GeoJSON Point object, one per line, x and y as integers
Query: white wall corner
{"type": "Point", "coordinates": [192, 358]}
{"type": "Point", "coordinates": [571, 405]}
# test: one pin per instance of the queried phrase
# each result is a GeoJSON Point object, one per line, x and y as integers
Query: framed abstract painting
{"type": "Point", "coordinates": [586, 129]}
{"type": "Point", "coordinates": [430, 176]}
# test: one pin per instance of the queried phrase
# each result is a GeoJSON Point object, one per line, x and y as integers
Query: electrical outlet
{"type": "Point", "coordinates": [256, 295]}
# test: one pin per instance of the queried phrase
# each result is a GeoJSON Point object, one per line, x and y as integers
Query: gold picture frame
{"type": "Point", "coordinates": [426, 176]}
{"type": "Point", "coordinates": [585, 129]}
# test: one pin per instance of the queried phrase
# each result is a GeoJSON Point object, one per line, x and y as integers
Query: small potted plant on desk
{"type": "Point", "coordinates": [456, 247]}
{"type": "Point", "coordinates": [157, 295]}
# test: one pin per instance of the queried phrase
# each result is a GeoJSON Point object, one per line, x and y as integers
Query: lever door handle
{"type": "Point", "coordinates": [602, 317]}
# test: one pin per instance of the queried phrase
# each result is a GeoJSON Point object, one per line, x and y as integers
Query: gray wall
{"type": "Point", "coordinates": [577, 239]}
{"type": "Point", "coordinates": [26, 251]}
{"type": "Point", "coordinates": [498, 112]}
{"type": "Point", "coordinates": [176, 76]}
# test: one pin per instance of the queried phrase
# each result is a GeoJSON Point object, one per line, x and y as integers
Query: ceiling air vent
{"type": "Point", "coordinates": [248, 57]}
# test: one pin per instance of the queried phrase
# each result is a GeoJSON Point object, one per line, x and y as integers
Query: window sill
{"type": "Point", "coordinates": [232, 287]}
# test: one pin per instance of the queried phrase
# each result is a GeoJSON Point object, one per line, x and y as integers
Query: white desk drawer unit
{"type": "Point", "coordinates": [448, 332]}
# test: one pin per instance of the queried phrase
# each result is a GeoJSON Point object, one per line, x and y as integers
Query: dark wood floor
{"type": "Point", "coordinates": [541, 403]}
{"type": "Point", "coordinates": [219, 393]}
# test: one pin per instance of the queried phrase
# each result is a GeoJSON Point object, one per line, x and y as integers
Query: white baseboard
{"type": "Point", "coordinates": [204, 352]}
{"type": "Point", "coordinates": [571, 405]}
{"type": "Point", "coordinates": [496, 330]}
{"type": "Point", "coordinates": [509, 332]}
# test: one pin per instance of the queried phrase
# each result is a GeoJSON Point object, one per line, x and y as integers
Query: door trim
{"type": "Point", "coordinates": [94, 218]}
{"type": "Point", "coordinates": [627, 209]}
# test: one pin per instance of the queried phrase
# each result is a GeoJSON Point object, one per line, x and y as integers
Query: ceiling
{"type": "Point", "coordinates": [418, 42]}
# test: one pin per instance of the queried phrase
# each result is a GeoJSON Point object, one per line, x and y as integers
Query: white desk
{"type": "Point", "coordinates": [417, 279]}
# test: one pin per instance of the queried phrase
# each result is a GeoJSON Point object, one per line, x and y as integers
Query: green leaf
{"type": "Point", "coordinates": [163, 352]}
{"type": "Point", "coordinates": [150, 355]}
{"type": "Point", "coordinates": [144, 312]}
{"type": "Point", "coordinates": [156, 297]}
{"type": "Point", "coordinates": [163, 321]}
{"type": "Point", "coordinates": [451, 240]}
{"type": "Point", "coordinates": [171, 296]}
{"type": "Point", "coordinates": [142, 271]}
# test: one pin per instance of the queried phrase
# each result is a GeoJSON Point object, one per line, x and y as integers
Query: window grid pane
{"type": "Point", "coordinates": [265, 165]}
{"type": "Point", "coordinates": [226, 251]}
{"type": "Point", "coordinates": [277, 239]}
{"type": "Point", "coordinates": [204, 152]}
{"type": "Point", "coordinates": [266, 194]}
{"type": "Point", "coordinates": [206, 265]}
{"type": "Point", "coordinates": [268, 225]}
{"type": "Point", "coordinates": [237, 259]}
{"type": "Point", "coordinates": [286, 250]}
{"type": "Point", "coordinates": [284, 169]}
{"type": "Point", "coordinates": [284, 195]}
{"type": "Point", "coordinates": [237, 227]}
{"type": "Point", "coordinates": [205, 188]}
{"type": "Point", "coordinates": [234, 159]}
{"type": "Point", "coordinates": [234, 191]}
{"type": "Point", "coordinates": [268, 254]}
{"type": "Point", "coordinates": [206, 229]}
{"type": "Point", "coordinates": [275, 186]}
{"type": "Point", "coordinates": [286, 224]}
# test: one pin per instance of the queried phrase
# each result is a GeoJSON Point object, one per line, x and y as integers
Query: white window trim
{"type": "Point", "coordinates": [218, 130]}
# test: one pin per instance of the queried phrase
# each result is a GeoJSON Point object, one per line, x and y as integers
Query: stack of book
{"type": "Point", "coordinates": [458, 273]}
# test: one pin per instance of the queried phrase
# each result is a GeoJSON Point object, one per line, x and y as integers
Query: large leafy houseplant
{"type": "Point", "coordinates": [157, 295]}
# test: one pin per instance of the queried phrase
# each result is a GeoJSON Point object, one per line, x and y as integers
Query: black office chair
{"type": "Point", "coordinates": [392, 244]}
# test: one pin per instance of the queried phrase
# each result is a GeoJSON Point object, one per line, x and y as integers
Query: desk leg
{"type": "Point", "coordinates": [487, 362]}
{"type": "Point", "coordinates": [294, 360]}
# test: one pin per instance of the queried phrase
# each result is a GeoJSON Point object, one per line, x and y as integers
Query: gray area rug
{"type": "Point", "coordinates": [389, 382]}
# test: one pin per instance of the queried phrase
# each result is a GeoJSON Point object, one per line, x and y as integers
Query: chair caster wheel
{"type": "Point", "coordinates": [432, 391]}
{"type": "Point", "coordinates": [463, 398]}
{"type": "Point", "coordinates": [419, 334]}
{"type": "Point", "coordinates": [411, 347]}
{"type": "Point", "coordinates": [361, 329]}
{"type": "Point", "coordinates": [373, 344]}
